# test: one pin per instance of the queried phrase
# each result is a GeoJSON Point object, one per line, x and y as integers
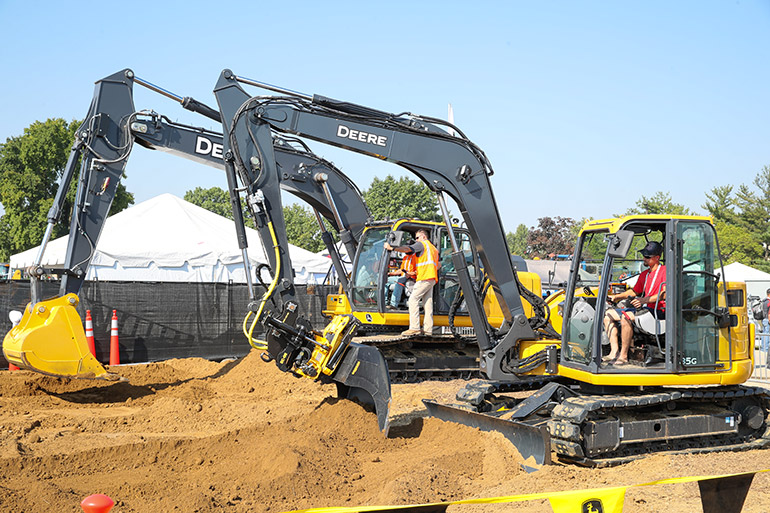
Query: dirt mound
{"type": "Point", "coordinates": [192, 435]}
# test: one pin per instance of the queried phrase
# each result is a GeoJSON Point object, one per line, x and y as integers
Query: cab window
{"type": "Point", "coordinates": [578, 333]}
{"type": "Point", "coordinates": [367, 267]}
{"type": "Point", "coordinates": [448, 284]}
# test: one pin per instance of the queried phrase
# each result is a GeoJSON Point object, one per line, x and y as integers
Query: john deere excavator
{"type": "Point", "coordinates": [450, 351]}
{"type": "Point", "coordinates": [682, 390]}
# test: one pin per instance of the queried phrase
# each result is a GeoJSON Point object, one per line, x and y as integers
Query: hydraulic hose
{"type": "Point", "coordinates": [261, 344]}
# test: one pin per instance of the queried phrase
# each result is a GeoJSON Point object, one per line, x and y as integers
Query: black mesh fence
{"type": "Point", "coordinates": [158, 321]}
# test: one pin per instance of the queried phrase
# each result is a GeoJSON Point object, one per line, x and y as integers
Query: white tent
{"type": "Point", "coordinates": [168, 239]}
{"type": "Point", "coordinates": [757, 282]}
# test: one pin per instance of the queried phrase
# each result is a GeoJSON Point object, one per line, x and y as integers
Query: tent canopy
{"type": "Point", "coordinates": [757, 282]}
{"type": "Point", "coordinates": [168, 239]}
{"type": "Point", "coordinates": [740, 272]}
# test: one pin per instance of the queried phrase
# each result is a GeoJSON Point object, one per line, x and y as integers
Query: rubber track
{"type": "Point", "coordinates": [578, 409]}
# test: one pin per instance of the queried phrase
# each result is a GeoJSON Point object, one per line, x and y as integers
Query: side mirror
{"type": "Point", "coordinates": [390, 238]}
{"type": "Point", "coordinates": [620, 243]}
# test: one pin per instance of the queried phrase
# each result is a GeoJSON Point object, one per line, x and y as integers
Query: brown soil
{"type": "Point", "coordinates": [195, 436]}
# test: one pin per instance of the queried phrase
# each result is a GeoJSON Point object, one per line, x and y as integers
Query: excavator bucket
{"type": "Point", "coordinates": [50, 340]}
{"type": "Point", "coordinates": [363, 375]}
{"type": "Point", "coordinates": [532, 442]}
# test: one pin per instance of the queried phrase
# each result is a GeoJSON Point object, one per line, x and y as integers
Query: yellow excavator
{"type": "Point", "coordinates": [682, 387]}
{"type": "Point", "coordinates": [104, 142]}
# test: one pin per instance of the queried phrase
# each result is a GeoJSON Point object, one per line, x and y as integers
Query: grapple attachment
{"type": "Point", "coordinates": [50, 340]}
{"type": "Point", "coordinates": [360, 372]}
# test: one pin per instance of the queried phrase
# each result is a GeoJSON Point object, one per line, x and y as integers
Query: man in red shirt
{"type": "Point", "coordinates": [648, 295]}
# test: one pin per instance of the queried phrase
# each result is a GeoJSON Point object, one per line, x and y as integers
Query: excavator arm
{"type": "Point", "coordinates": [447, 164]}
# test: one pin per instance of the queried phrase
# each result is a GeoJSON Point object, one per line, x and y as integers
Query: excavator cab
{"type": "Point", "coordinates": [371, 288]}
{"type": "Point", "coordinates": [700, 338]}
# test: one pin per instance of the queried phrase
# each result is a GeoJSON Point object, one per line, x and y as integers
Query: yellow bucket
{"type": "Point", "coordinates": [50, 340]}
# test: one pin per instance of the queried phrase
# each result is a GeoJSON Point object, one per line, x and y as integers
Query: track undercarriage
{"type": "Point", "coordinates": [424, 358]}
{"type": "Point", "coordinates": [610, 429]}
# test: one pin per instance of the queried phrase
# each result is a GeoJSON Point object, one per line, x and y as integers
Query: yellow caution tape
{"type": "Point", "coordinates": [611, 499]}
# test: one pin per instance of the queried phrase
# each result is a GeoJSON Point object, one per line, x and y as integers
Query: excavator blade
{"type": "Point", "coordinates": [363, 375]}
{"type": "Point", "coordinates": [531, 441]}
{"type": "Point", "coordinates": [50, 340]}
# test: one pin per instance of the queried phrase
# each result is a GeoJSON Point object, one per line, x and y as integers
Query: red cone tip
{"type": "Point", "coordinates": [97, 503]}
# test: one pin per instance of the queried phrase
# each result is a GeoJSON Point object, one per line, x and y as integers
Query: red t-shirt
{"type": "Point", "coordinates": [648, 285]}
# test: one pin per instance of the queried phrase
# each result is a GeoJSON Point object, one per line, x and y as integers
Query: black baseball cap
{"type": "Point", "coordinates": [652, 248]}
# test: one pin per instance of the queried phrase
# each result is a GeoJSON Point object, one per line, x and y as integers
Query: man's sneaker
{"type": "Point", "coordinates": [410, 333]}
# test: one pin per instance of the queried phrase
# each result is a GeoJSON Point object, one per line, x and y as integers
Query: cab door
{"type": "Point", "coordinates": [367, 270]}
{"type": "Point", "coordinates": [448, 283]}
{"type": "Point", "coordinates": [700, 301]}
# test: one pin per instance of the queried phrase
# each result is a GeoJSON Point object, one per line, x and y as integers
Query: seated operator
{"type": "Point", "coordinates": [648, 300]}
{"type": "Point", "coordinates": [407, 273]}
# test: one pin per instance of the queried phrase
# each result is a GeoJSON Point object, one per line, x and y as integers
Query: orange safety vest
{"type": "Point", "coordinates": [409, 264]}
{"type": "Point", "coordinates": [427, 262]}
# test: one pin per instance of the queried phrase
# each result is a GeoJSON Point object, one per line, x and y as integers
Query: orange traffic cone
{"type": "Point", "coordinates": [90, 333]}
{"type": "Point", "coordinates": [97, 503]}
{"type": "Point", "coordinates": [114, 346]}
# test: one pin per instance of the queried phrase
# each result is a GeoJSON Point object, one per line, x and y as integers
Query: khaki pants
{"type": "Point", "coordinates": [423, 290]}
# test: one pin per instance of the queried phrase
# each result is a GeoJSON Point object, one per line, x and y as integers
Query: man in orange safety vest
{"type": "Point", "coordinates": [427, 275]}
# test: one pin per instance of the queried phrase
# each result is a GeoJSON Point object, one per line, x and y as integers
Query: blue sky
{"type": "Point", "coordinates": [582, 107]}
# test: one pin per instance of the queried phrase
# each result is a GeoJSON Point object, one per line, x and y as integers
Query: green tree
{"type": "Point", "coordinates": [302, 228]}
{"type": "Point", "coordinates": [552, 235]}
{"type": "Point", "coordinates": [30, 167]}
{"type": "Point", "coordinates": [736, 240]}
{"type": "Point", "coordinates": [720, 203]}
{"type": "Point", "coordinates": [736, 244]}
{"type": "Point", "coordinates": [660, 203]}
{"type": "Point", "coordinates": [217, 200]}
{"type": "Point", "coordinates": [517, 241]}
{"type": "Point", "coordinates": [394, 199]}
{"type": "Point", "coordinates": [754, 209]}
{"type": "Point", "coordinates": [741, 217]}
